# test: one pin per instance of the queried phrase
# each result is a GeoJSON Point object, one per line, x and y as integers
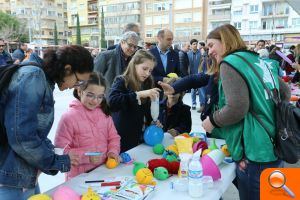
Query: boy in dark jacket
{"type": "Point", "coordinates": [174, 115]}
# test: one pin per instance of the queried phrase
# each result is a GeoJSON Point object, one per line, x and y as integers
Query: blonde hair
{"type": "Point", "coordinates": [130, 75]}
{"type": "Point", "coordinates": [229, 37]}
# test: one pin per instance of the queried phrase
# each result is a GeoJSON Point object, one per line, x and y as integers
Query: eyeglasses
{"type": "Point", "coordinates": [131, 46]}
{"type": "Point", "coordinates": [2, 45]}
{"type": "Point", "coordinates": [78, 81]}
{"type": "Point", "coordinates": [92, 96]}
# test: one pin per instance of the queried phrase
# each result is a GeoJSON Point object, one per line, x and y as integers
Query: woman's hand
{"type": "Point", "coordinates": [168, 89]}
{"type": "Point", "coordinates": [157, 123]}
{"type": "Point", "coordinates": [151, 93]}
{"type": "Point", "coordinates": [114, 156]}
{"type": "Point", "coordinates": [207, 125]}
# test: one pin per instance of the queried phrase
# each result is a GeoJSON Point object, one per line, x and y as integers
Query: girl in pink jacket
{"type": "Point", "coordinates": [88, 127]}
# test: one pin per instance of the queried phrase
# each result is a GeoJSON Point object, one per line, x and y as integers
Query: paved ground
{"type": "Point", "coordinates": [62, 100]}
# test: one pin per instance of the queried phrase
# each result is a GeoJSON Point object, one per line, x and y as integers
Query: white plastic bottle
{"type": "Point", "coordinates": [155, 109]}
{"type": "Point", "coordinates": [195, 174]}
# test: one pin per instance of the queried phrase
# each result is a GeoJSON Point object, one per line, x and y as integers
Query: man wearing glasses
{"type": "Point", "coordinates": [5, 57]}
{"type": "Point", "coordinates": [113, 62]}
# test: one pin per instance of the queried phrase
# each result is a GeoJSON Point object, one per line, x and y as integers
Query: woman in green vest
{"type": "Point", "coordinates": [240, 91]}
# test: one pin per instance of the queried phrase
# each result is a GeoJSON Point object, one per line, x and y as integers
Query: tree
{"type": "Point", "coordinates": [78, 34]}
{"type": "Point", "coordinates": [11, 28]}
{"type": "Point", "coordinates": [55, 34]}
{"type": "Point", "coordinates": [103, 42]}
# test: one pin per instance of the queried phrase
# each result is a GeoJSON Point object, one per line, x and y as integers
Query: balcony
{"type": "Point", "coordinates": [225, 17]}
{"type": "Point", "coordinates": [220, 6]}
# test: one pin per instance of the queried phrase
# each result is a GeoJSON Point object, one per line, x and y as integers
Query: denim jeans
{"type": "Point", "coordinates": [248, 178]}
{"type": "Point", "coordinates": [201, 92]}
{"type": "Point", "coordinates": [12, 193]}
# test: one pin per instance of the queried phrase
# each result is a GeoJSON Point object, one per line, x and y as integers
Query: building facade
{"type": "Point", "coordinates": [219, 13]}
{"type": "Point", "coordinates": [186, 18]}
{"type": "Point", "coordinates": [40, 17]}
{"type": "Point", "coordinates": [271, 20]}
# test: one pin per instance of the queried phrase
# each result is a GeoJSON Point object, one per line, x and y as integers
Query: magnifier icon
{"type": "Point", "coordinates": [277, 180]}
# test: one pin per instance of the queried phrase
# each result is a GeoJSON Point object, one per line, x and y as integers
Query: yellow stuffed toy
{"type": "Point", "coordinates": [90, 195]}
{"type": "Point", "coordinates": [145, 176]}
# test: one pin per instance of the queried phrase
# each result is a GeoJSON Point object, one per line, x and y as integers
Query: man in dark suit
{"type": "Point", "coordinates": [167, 60]}
{"type": "Point", "coordinates": [184, 59]}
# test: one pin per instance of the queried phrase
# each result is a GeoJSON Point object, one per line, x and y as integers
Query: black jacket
{"type": "Point", "coordinates": [177, 117]}
{"type": "Point", "coordinates": [184, 63]}
{"type": "Point", "coordinates": [127, 114]}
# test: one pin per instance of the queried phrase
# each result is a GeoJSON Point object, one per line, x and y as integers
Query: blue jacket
{"type": "Point", "coordinates": [127, 114]}
{"type": "Point", "coordinates": [159, 72]}
{"type": "Point", "coordinates": [5, 58]}
{"type": "Point", "coordinates": [194, 64]}
{"type": "Point", "coordinates": [18, 54]}
{"type": "Point", "coordinates": [27, 108]}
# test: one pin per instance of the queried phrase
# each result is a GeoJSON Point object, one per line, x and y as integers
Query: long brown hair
{"type": "Point", "coordinates": [229, 37]}
{"type": "Point", "coordinates": [130, 75]}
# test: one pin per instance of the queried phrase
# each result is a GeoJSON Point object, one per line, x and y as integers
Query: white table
{"type": "Point", "coordinates": [143, 153]}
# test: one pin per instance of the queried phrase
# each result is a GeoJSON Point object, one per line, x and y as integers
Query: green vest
{"type": "Point", "coordinates": [248, 138]}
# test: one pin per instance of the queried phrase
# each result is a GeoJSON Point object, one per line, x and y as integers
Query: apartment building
{"type": "Point", "coordinates": [186, 18]}
{"type": "Point", "coordinates": [219, 13]}
{"type": "Point", "coordinates": [40, 17]}
{"type": "Point", "coordinates": [272, 20]}
{"type": "Point", "coordinates": [88, 11]}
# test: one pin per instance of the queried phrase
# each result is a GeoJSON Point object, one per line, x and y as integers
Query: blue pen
{"type": "Point", "coordinates": [92, 153]}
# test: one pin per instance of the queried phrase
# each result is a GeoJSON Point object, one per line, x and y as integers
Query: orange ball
{"type": "Point", "coordinates": [111, 163]}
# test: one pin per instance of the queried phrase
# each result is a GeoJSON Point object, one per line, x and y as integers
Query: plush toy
{"type": "Point", "coordinates": [173, 148]}
{"type": "Point", "coordinates": [224, 149]}
{"type": "Point", "coordinates": [145, 176]}
{"type": "Point", "coordinates": [138, 166]}
{"type": "Point", "coordinates": [213, 145]}
{"type": "Point", "coordinates": [111, 163]}
{"type": "Point", "coordinates": [161, 173]}
{"type": "Point", "coordinates": [172, 167]}
{"type": "Point", "coordinates": [40, 197]}
{"type": "Point", "coordinates": [64, 192]}
{"type": "Point", "coordinates": [90, 195]}
{"type": "Point", "coordinates": [125, 158]}
{"type": "Point", "coordinates": [170, 156]}
{"type": "Point", "coordinates": [184, 144]}
{"type": "Point", "coordinates": [199, 145]}
{"type": "Point", "coordinates": [158, 149]}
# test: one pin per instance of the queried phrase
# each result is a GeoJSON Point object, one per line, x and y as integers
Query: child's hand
{"type": "Point", "coordinates": [114, 156]}
{"type": "Point", "coordinates": [95, 159]}
{"type": "Point", "coordinates": [168, 89]}
{"type": "Point", "coordinates": [157, 123]}
{"type": "Point", "coordinates": [151, 93]}
{"type": "Point", "coordinates": [74, 158]}
{"type": "Point", "coordinates": [173, 132]}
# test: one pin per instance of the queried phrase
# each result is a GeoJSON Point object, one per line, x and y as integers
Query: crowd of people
{"type": "Point", "coordinates": [113, 91]}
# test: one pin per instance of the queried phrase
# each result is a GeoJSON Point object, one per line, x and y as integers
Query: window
{"type": "Point", "coordinates": [149, 7]}
{"type": "Point", "coordinates": [197, 3]}
{"type": "Point", "coordinates": [161, 6]}
{"type": "Point", "coordinates": [238, 25]}
{"type": "Point", "coordinates": [148, 20]}
{"type": "Point", "coordinates": [182, 32]}
{"type": "Point", "coordinates": [253, 8]}
{"type": "Point", "coordinates": [183, 17]}
{"type": "Point", "coordinates": [281, 23]}
{"type": "Point", "coordinates": [196, 17]}
{"type": "Point", "coordinates": [196, 31]}
{"type": "Point", "coordinates": [149, 34]}
{"type": "Point", "coordinates": [296, 22]}
{"type": "Point", "coordinates": [253, 25]}
{"type": "Point", "coordinates": [237, 12]}
{"type": "Point", "coordinates": [182, 4]}
{"type": "Point", "coordinates": [164, 19]}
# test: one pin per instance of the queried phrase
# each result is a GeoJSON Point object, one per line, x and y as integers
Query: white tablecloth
{"type": "Point", "coordinates": [163, 191]}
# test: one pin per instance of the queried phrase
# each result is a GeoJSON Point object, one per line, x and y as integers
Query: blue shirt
{"type": "Point", "coordinates": [163, 57]}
